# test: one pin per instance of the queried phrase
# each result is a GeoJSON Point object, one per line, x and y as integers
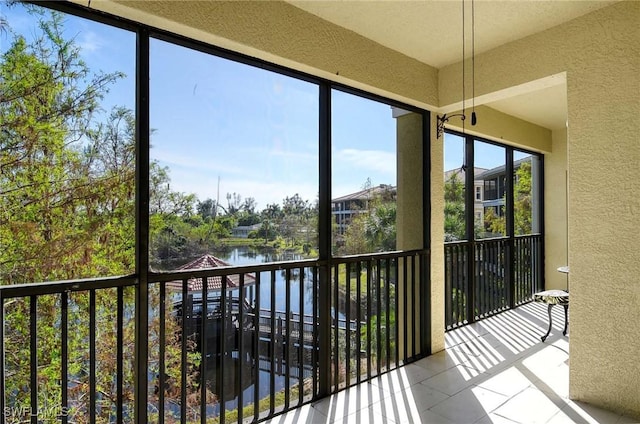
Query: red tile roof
{"type": "Point", "coordinates": [213, 283]}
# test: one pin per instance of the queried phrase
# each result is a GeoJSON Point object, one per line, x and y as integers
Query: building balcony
{"type": "Point", "coordinates": [228, 344]}
{"type": "Point", "coordinates": [373, 365]}
{"type": "Point", "coordinates": [493, 371]}
{"type": "Point", "coordinates": [137, 348]}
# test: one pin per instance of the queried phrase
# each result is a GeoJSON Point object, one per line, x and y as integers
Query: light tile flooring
{"type": "Point", "coordinates": [494, 371]}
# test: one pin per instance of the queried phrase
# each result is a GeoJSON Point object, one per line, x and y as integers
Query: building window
{"type": "Point", "coordinates": [491, 164]}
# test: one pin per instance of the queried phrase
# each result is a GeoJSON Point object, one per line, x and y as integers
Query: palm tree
{"type": "Point", "coordinates": [380, 227]}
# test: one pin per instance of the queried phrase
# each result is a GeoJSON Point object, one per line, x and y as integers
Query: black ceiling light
{"type": "Point", "coordinates": [442, 120]}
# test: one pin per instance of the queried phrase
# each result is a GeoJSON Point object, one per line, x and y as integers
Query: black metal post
{"type": "Point", "coordinates": [301, 333]}
{"type": "Point", "coordinates": [92, 356]}
{"type": "Point", "coordinates": [425, 275]}
{"type": "Point", "coordinates": [378, 306]}
{"type": "Point", "coordinates": [273, 351]}
{"type": "Point", "coordinates": [240, 347]}
{"type": "Point", "coordinates": [256, 349]}
{"type": "Point", "coordinates": [540, 260]}
{"type": "Point", "coordinates": [369, 326]}
{"type": "Point", "coordinates": [2, 369]}
{"type": "Point", "coordinates": [324, 241]}
{"type": "Point", "coordinates": [222, 345]}
{"type": "Point", "coordinates": [161, 353]}
{"type": "Point", "coordinates": [64, 356]}
{"type": "Point", "coordinates": [33, 363]}
{"type": "Point", "coordinates": [119, 354]}
{"type": "Point", "coordinates": [287, 338]}
{"type": "Point", "coordinates": [358, 320]}
{"type": "Point", "coordinates": [405, 313]}
{"type": "Point", "coordinates": [387, 310]}
{"type": "Point", "coordinates": [142, 225]}
{"type": "Point", "coordinates": [314, 354]}
{"type": "Point", "coordinates": [509, 261]}
{"type": "Point", "coordinates": [347, 326]}
{"type": "Point", "coordinates": [186, 315]}
{"type": "Point", "coordinates": [335, 350]}
{"type": "Point", "coordinates": [469, 192]}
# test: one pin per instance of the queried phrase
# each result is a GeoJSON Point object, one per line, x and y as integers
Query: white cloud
{"type": "Point", "coordinates": [289, 155]}
{"type": "Point", "coordinates": [196, 164]}
{"type": "Point", "coordinates": [89, 41]}
{"type": "Point", "coordinates": [374, 160]}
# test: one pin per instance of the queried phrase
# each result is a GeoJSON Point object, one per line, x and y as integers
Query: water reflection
{"type": "Point", "coordinates": [235, 371]}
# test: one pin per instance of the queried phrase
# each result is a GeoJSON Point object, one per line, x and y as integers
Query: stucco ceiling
{"type": "Point", "coordinates": [431, 31]}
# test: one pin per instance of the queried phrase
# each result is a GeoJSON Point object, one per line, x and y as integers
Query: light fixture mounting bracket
{"type": "Point", "coordinates": [441, 120]}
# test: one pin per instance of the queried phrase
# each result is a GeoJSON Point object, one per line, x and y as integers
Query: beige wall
{"type": "Point", "coordinates": [600, 57]}
{"type": "Point", "coordinates": [555, 199]}
{"type": "Point", "coordinates": [507, 129]}
{"type": "Point", "coordinates": [437, 240]}
{"type": "Point", "coordinates": [409, 214]}
{"type": "Point", "coordinates": [409, 165]}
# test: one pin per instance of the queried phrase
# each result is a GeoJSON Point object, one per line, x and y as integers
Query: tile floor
{"type": "Point", "coordinates": [494, 371]}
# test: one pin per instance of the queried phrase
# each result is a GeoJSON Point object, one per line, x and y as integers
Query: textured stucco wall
{"type": "Point", "coordinates": [409, 214]}
{"type": "Point", "coordinates": [504, 128]}
{"type": "Point", "coordinates": [409, 177]}
{"type": "Point", "coordinates": [437, 240]}
{"type": "Point", "coordinates": [604, 205]}
{"type": "Point", "coordinates": [281, 33]}
{"type": "Point", "coordinates": [555, 202]}
{"type": "Point", "coordinates": [600, 54]}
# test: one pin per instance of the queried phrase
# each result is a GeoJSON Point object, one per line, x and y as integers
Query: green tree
{"type": "Point", "coordinates": [163, 200]}
{"type": "Point", "coordinates": [454, 219]}
{"type": "Point", "coordinates": [380, 226]}
{"type": "Point", "coordinates": [47, 98]}
{"type": "Point", "coordinates": [207, 208]}
{"type": "Point", "coordinates": [67, 211]}
{"type": "Point", "coordinates": [522, 206]}
{"type": "Point", "coordinates": [271, 217]}
{"type": "Point", "coordinates": [296, 219]}
{"type": "Point", "coordinates": [372, 229]}
{"type": "Point", "coordinates": [66, 207]}
{"type": "Point", "coordinates": [494, 223]}
{"type": "Point", "coordinates": [355, 239]}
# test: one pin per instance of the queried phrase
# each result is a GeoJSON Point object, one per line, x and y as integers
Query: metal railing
{"type": "Point", "coordinates": [482, 276]}
{"type": "Point", "coordinates": [379, 295]}
{"type": "Point", "coordinates": [243, 346]}
{"type": "Point", "coordinates": [67, 351]}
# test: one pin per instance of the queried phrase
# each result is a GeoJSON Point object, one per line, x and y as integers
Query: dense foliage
{"type": "Point", "coordinates": [454, 226]}
{"type": "Point", "coordinates": [492, 224]}
{"type": "Point", "coordinates": [66, 209]}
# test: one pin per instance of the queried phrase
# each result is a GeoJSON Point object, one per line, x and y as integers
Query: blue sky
{"type": "Point", "coordinates": [254, 131]}
{"type": "Point", "coordinates": [486, 155]}
{"type": "Point", "coordinates": [257, 131]}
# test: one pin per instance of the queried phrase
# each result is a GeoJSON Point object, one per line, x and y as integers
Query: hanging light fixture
{"type": "Point", "coordinates": [474, 120]}
{"type": "Point", "coordinates": [442, 120]}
